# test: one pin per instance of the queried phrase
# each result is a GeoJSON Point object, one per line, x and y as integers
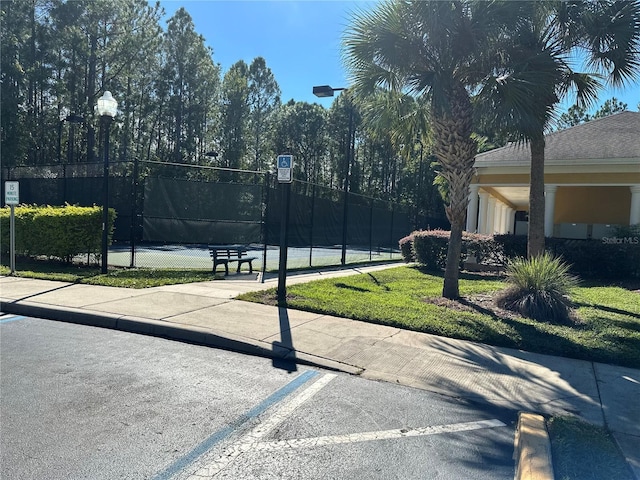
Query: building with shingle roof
{"type": "Point", "coordinates": [592, 181]}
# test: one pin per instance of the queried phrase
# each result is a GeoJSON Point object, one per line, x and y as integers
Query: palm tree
{"type": "Point", "coordinates": [534, 71]}
{"type": "Point", "coordinates": [433, 49]}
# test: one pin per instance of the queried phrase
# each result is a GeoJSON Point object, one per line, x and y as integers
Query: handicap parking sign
{"type": "Point", "coordinates": [285, 168]}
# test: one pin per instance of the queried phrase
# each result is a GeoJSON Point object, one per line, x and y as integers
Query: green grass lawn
{"type": "Point", "coordinates": [608, 329]}
{"type": "Point", "coordinates": [129, 278]}
{"type": "Point", "coordinates": [581, 451]}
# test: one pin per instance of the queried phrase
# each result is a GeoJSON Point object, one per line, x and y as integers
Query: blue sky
{"type": "Point", "coordinates": [299, 39]}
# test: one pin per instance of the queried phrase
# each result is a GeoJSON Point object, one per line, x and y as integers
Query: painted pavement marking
{"type": "Point", "coordinates": [7, 318]}
{"type": "Point", "coordinates": [186, 460]}
{"type": "Point", "coordinates": [372, 436]}
{"type": "Point", "coordinates": [249, 441]}
{"type": "Point", "coordinates": [252, 440]}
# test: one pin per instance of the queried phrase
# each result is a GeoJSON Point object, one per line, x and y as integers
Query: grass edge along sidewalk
{"type": "Point", "coordinates": [607, 328]}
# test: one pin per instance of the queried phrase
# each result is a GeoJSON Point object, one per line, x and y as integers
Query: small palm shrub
{"type": "Point", "coordinates": [539, 288]}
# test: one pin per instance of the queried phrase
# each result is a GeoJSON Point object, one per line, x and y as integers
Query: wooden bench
{"type": "Point", "coordinates": [224, 254]}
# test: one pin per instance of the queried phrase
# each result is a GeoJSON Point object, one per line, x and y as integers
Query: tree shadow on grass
{"type": "Point", "coordinates": [619, 349]}
{"type": "Point", "coordinates": [611, 310]}
{"type": "Point", "coordinates": [351, 287]}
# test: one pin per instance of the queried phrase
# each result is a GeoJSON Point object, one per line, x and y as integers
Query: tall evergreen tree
{"type": "Point", "coordinates": [264, 99]}
{"type": "Point", "coordinates": [234, 115]}
{"type": "Point", "coordinates": [192, 81]}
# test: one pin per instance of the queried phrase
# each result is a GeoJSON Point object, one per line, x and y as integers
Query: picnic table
{"type": "Point", "coordinates": [224, 254]}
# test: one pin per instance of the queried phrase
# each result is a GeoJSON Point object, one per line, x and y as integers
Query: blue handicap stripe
{"type": "Point", "coordinates": [206, 445]}
{"type": "Point", "coordinates": [12, 319]}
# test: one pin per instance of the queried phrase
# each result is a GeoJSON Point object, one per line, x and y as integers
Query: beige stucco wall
{"type": "Point", "coordinates": [593, 205]}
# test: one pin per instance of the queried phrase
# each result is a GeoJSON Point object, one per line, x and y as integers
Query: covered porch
{"type": "Point", "coordinates": [592, 182]}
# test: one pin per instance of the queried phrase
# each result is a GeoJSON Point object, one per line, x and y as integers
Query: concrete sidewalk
{"type": "Point", "coordinates": [206, 313]}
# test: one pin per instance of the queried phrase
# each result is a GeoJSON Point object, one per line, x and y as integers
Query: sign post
{"type": "Point", "coordinates": [285, 177]}
{"type": "Point", "coordinates": [12, 198]}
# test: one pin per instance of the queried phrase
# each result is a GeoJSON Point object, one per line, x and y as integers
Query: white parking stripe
{"type": "Point", "coordinates": [248, 442]}
{"type": "Point", "coordinates": [371, 436]}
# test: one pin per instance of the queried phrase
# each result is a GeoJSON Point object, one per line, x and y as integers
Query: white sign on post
{"type": "Point", "coordinates": [12, 198]}
{"type": "Point", "coordinates": [11, 193]}
{"type": "Point", "coordinates": [285, 168]}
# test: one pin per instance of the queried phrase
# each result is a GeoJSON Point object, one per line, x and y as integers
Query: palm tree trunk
{"type": "Point", "coordinates": [535, 243]}
{"type": "Point", "coordinates": [455, 150]}
{"type": "Point", "coordinates": [452, 270]}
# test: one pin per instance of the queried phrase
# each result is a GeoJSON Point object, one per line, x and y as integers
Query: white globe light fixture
{"type": "Point", "coordinates": [107, 107]}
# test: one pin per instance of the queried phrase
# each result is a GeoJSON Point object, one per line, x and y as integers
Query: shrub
{"type": "Point", "coordinates": [429, 248]}
{"type": "Point", "coordinates": [406, 248]}
{"type": "Point", "coordinates": [612, 257]}
{"type": "Point", "coordinates": [513, 246]}
{"type": "Point", "coordinates": [539, 288]}
{"type": "Point", "coordinates": [59, 232]}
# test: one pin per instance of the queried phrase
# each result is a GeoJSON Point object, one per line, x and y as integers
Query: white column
{"type": "Point", "coordinates": [482, 213]}
{"type": "Point", "coordinates": [491, 215]}
{"type": "Point", "coordinates": [549, 208]}
{"type": "Point", "coordinates": [512, 221]}
{"type": "Point", "coordinates": [472, 208]}
{"type": "Point", "coordinates": [504, 215]}
{"type": "Point", "coordinates": [497, 220]}
{"type": "Point", "coordinates": [634, 215]}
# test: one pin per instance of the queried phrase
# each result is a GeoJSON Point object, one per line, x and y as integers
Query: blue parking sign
{"type": "Point", "coordinates": [285, 168]}
{"type": "Point", "coordinates": [284, 161]}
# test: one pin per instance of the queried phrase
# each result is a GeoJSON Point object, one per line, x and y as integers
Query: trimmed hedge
{"type": "Point", "coordinates": [613, 257]}
{"type": "Point", "coordinates": [58, 232]}
{"type": "Point", "coordinates": [429, 248]}
{"type": "Point", "coordinates": [598, 258]}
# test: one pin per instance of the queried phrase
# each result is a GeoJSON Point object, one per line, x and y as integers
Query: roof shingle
{"type": "Point", "coordinates": [607, 138]}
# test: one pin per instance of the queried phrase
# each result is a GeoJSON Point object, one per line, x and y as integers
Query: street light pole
{"type": "Point", "coordinates": [107, 108]}
{"type": "Point", "coordinates": [324, 91]}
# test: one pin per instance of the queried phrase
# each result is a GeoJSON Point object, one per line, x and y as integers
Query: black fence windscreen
{"type": "Point", "coordinates": [185, 211]}
{"type": "Point", "coordinates": [199, 209]}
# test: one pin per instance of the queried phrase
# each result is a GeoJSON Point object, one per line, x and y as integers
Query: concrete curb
{"type": "Point", "coordinates": [171, 331]}
{"type": "Point", "coordinates": [532, 449]}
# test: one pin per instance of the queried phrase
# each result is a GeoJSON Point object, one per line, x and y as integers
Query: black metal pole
{"type": "Point", "coordinates": [265, 223]}
{"type": "Point", "coordinates": [313, 208]}
{"type": "Point", "coordinates": [285, 189]}
{"type": "Point", "coordinates": [105, 188]}
{"type": "Point", "coordinates": [371, 231]}
{"type": "Point", "coordinates": [71, 143]}
{"type": "Point", "coordinates": [134, 212]}
{"type": "Point", "coordinates": [60, 142]}
{"type": "Point", "coordinates": [345, 212]}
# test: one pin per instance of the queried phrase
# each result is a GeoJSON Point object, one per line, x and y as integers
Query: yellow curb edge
{"type": "Point", "coordinates": [532, 448]}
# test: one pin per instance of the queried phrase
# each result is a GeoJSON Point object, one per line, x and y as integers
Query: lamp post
{"type": "Point", "coordinates": [107, 108]}
{"type": "Point", "coordinates": [323, 91]}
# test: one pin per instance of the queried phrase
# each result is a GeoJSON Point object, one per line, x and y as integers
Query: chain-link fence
{"type": "Point", "coordinates": [168, 214]}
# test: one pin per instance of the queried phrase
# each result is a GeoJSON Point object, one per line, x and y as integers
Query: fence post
{"type": "Point", "coordinates": [134, 212]}
{"type": "Point", "coordinates": [285, 189]}
{"type": "Point", "coordinates": [345, 214]}
{"type": "Point", "coordinates": [265, 223]}
{"type": "Point", "coordinates": [313, 208]}
{"type": "Point", "coordinates": [371, 231]}
{"type": "Point", "coordinates": [391, 233]}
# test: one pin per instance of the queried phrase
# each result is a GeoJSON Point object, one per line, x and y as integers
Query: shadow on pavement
{"type": "Point", "coordinates": [285, 345]}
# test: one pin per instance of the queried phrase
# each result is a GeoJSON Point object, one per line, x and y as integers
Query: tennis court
{"type": "Point", "coordinates": [197, 256]}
